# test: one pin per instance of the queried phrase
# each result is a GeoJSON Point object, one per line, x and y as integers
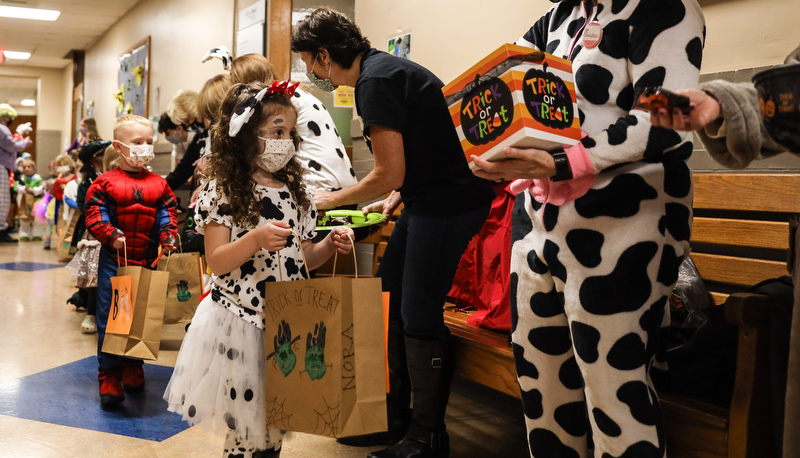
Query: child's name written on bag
{"type": "Point", "coordinates": [307, 296]}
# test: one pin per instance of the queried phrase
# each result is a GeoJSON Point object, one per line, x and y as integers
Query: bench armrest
{"type": "Point", "coordinates": [748, 309]}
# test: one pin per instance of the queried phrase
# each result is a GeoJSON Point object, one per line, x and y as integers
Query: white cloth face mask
{"type": "Point", "coordinates": [140, 155]}
{"type": "Point", "coordinates": [277, 153]}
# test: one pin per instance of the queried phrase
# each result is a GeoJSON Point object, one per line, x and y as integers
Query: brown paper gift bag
{"type": "Point", "coordinates": [147, 296]}
{"type": "Point", "coordinates": [185, 285]}
{"type": "Point", "coordinates": [325, 356]}
{"type": "Point", "coordinates": [65, 250]}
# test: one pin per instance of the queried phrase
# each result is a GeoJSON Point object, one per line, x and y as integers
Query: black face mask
{"type": "Point", "coordinates": [196, 126]}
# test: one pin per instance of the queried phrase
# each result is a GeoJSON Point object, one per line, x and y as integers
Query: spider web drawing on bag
{"type": "Point", "coordinates": [328, 419]}
{"type": "Point", "coordinates": [276, 415]}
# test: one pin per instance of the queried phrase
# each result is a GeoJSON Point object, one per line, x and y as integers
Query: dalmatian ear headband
{"type": "Point", "coordinates": [245, 110]}
{"type": "Point", "coordinates": [222, 53]}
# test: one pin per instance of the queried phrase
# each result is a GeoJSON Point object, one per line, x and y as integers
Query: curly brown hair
{"type": "Point", "coordinates": [233, 159]}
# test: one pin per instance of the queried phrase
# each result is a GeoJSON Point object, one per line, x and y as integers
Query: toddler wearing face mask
{"type": "Point", "coordinates": [254, 205]}
{"type": "Point", "coordinates": [127, 208]}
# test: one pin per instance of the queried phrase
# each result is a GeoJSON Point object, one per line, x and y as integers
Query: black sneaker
{"type": "Point", "coordinates": [5, 238]}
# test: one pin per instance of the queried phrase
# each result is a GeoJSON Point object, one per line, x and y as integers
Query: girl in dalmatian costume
{"type": "Point", "coordinates": [321, 152]}
{"type": "Point", "coordinates": [219, 375]}
{"type": "Point", "coordinates": [600, 229]}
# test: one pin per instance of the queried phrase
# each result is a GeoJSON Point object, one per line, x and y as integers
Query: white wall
{"type": "Point", "coordinates": [181, 32]}
{"type": "Point", "coordinates": [448, 36]}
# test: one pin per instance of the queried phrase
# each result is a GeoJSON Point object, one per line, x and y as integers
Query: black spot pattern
{"type": "Point", "coordinates": [585, 245]}
{"type": "Point", "coordinates": [620, 199]}
{"type": "Point", "coordinates": [570, 375]}
{"type": "Point", "coordinates": [636, 395]}
{"type": "Point", "coordinates": [339, 153]}
{"type": "Point", "coordinates": [640, 449]}
{"type": "Point", "coordinates": [513, 283]}
{"type": "Point", "coordinates": [233, 393]}
{"type": "Point", "coordinates": [536, 265]}
{"type": "Point", "coordinates": [668, 267]}
{"type": "Point", "coordinates": [525, 368]}
{"type": "Point", "coordinates": [521, 222]}
{"type": "Point", "coordinates": [627, 353]}
{"type": "Point", "coordinates": [248, 395]}
{"type": "Point", "coordinates": [550, 217]}
{"type": "Point", "coordinates": [678, 221]}
{"type": "Point", "coordinates": [585, 338]}
{"type": "Point", "coordinates": [627, 287]}
{"type": "Point", "coordinates": [694, 51]}
{"type": "Point", "coordinates": [230, 420]}
{"type": "Point", "coordinates": [615, 39]}
{"type": "Point", "coordinates": [649, 19]}
{"type": "Point", "coordinates": [551, 340]}
{"type": "Point", "coordinates": [532, 407]}
{"type": "Point", "coordinates": [593, 82]}
{"type": "Point", "coordinates": [314, 165]}
{"type": "Point", "coordinates": [550, 255]}
{"type": "Point", "coordinates": [314, 127]}
{"type": "Point", "coordinates": [677, 178]}
{"type": "Point", "coordinates": [192, 411]}
{"type": "Point", "coordinates": [546, 443]}
{"type": "Point", "coordinates": [618, 132]}
{"type": "Point", "coordinates": [605, 424]}
{"type": "Point", "coordinates": [625, 98]}
{"type": "Point", "coordinates": [247, 269]}
{"type": "Point", "coordinates": [548, 304]}
{"type": "Point", "coordinates": [572, 418]}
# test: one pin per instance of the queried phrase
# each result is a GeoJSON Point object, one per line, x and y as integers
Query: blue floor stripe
{"type": "Point", "coordinates": [68, 396]}
{"type": "Point", "coordinates": [25, 266]}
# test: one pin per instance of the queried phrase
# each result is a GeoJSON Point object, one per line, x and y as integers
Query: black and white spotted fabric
{"type": "Point", "coordinates": [321, 150]}
{"type": "Point", "coordinates": [590, 278]}
{"type": "Point", "coordinates": [242, 290]}
{"type": "Point", "coordinates": [219, 373]}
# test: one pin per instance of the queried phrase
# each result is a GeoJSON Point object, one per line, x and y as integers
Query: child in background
{"type": "Point", "coordinates": [30, 188]}
{"type": "Point", "coordinates": [64, 173]}
{"type": "Point", "coordinates": [84, 263]}
{"type": "Point", "coordinates": [132, 209]}
{"type": "Point", "coordinates": [248, 210]}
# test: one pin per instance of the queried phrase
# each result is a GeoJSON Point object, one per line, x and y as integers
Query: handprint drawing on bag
{"type": "Point", "coordinates": [315, 352]}
{"type": "Point", "coordinates": [285, 358]}
{"type": "Point", "coordinates": [183, 294]}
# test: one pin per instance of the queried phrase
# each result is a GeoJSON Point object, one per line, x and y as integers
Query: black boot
{"type": "Point", "coordinates": [430, 367]}
{"type": "Point", "coordinates": [6, 238]}
{"type": "Point", "coordinates": [398, 400]}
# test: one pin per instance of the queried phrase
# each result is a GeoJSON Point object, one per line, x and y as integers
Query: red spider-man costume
{"type": "Point", "coordinates": [139, 206]}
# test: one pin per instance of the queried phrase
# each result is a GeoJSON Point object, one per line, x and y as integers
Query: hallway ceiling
{"type": "Point", "coordinates": [80, 24]}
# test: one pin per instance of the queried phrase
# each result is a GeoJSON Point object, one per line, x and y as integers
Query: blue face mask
{"type": "Point", "coordinates": [323, 83]}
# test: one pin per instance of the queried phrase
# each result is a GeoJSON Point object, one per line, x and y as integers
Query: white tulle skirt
{"type": "Point", "coordinates": [218, 379]}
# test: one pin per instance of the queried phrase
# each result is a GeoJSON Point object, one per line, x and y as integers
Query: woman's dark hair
{"type": "Point", "coordinates": [332, 30]}
{"type": "Point", "coordinates": [233, 159]}
{"type": "Point", "coordinates": [165, 123]}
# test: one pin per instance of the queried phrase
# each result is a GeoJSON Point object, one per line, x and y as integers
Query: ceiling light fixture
{"type": "Point", "coordinates": [17, 55]}
{"type": "Point", "coordinates": [28, 103]}
{"type": "Point", "coordinates": [29, 13]}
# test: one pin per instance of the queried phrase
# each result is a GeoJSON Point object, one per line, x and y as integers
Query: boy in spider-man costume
{"type": "Point", "coordinates": [128, 208]}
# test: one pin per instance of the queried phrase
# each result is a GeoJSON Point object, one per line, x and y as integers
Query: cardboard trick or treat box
{"type": "Point", "coordinates": [515, 96]}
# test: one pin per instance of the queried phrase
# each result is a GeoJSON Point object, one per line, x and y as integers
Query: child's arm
{"type": "Point", "coordinates": [223, 256]}
{"type": "Point", "coordinates": [98, 215]}
{"type": "Point", "coordinates": [317, 253]}
{"type": "Point", "coordinates": [167, 219]}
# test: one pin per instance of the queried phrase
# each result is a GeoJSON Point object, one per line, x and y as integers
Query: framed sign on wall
{"type": "Point", "coordinates": [134, 78]}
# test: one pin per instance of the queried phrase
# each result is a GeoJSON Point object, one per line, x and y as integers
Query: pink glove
{"type": "Point", "coordinates": [560, 192]}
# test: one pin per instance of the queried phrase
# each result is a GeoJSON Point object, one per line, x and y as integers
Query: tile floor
{"type": "Point", "coordinates": [49, 405]}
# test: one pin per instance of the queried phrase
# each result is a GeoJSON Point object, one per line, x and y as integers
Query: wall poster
{"type": "Point", "coordinates": [134, 78]}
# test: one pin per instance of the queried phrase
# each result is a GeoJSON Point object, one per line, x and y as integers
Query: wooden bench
{"type": "Point", "coordinates": [740, 237]}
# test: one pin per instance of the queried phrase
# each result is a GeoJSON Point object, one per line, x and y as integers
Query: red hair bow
{"type": "Point", "coordinates": [282, 87]}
